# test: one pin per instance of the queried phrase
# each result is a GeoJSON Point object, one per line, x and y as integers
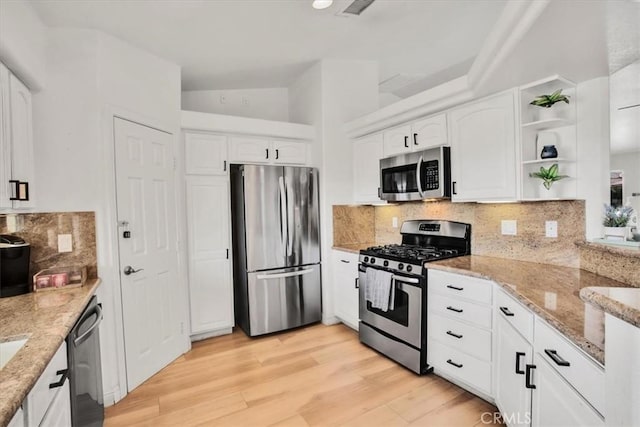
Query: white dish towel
{"type": "Point", "coordinates": [380, 289]}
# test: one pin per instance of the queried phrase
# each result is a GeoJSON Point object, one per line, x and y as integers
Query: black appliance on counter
{"type": "Point", "coordinates": [15, 255]}
{"type": "Point", "coordinates": [400, 332]}
{"type": "Point", "coordinates": [85, 369]}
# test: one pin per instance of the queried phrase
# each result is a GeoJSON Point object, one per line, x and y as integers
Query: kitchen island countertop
{"type": "Point", "coordinates": [45, 319]}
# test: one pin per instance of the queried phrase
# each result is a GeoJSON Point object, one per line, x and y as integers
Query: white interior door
{"type": "Point", "coordinates": [151, 296]}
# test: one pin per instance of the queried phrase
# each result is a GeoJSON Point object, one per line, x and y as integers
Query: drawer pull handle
{"type": "Point", "coordinates": [63, 378]}
{"type": "Point", "coordinates": [454, 335]}
{"type": "Point", "coordinates": [457, 310]}
{"type": "Point", "coordinates": [506, 311]}
{"type": "Point", "coordinates": [345, 261]}
{"type": "Point", "coordinates": [455, 287]}
{"type": "Point", "coordinates": [457, 365]}
{"type": "Point", "coordinates": [519, 354]}
{"type": "Point", "coordinates": [357, 284]}
{"type": "Point", "coordinates": [527, 378]}
{"type": "Point", "coordinates": [556, 358]}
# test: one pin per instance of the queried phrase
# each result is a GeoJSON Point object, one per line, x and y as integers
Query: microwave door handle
{"type": "Point", "coordinates": [419, 177]}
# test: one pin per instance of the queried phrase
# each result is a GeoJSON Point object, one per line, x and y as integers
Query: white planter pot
{"type": "Point", "coordinates": [552, 193]}
{"type": "Point", "coordinates": [616, 233]}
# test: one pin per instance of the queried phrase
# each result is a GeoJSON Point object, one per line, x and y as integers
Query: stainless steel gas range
{"type": "Point", "coordinates": [393, 288]}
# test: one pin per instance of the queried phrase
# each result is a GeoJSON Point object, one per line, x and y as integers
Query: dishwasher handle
{"type": "Point", "coordinates": [97, 310]}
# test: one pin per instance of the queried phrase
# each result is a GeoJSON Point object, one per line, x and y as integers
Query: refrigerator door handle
{"type": "Point", "coordinates": [281, 275]}
{"type": "Point", "coordinates": [290, 224]}
{"type": "Point", "coordinates": [283, 215]}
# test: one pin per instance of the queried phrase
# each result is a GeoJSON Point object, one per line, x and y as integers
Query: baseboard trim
{"type": "Point", "coordinates": [211, 334]}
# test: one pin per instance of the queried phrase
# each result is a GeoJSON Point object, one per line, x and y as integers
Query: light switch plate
{"type": "Point", "coordinates": [509, 227]}
{"type": "Point", "coordinates": [394, 222]}
{"type": "Point", "coordinates": [551, 228]}
{"type": "Point", "coordinates": [65, 243]}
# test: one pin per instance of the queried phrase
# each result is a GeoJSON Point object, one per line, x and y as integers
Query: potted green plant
{"type": "Point", "coordinates": [545, 102]}
{"type": "Point", "coordinates": [615, 221]}
{"type": "Point", "coordinates": [548, 177]}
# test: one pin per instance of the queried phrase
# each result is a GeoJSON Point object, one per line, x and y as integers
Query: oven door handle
{"type": "Point", "coordinates": [405, 279]}
{"type": "Point", "coordinates": [419, 176]}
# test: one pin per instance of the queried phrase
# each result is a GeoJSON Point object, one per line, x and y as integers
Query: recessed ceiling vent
{"type": "Point", "coordinates": [356, 8]}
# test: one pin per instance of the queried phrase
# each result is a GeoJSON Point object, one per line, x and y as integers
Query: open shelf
{"type": "Point", "coordinates": [542, 161]}
{"type": "Point", "coordinates": [548, 124]}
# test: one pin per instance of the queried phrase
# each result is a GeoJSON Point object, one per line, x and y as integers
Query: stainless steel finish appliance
{"type": "Point", "coordinates": [276, 247]}
{"type": "Point", "coordinates": [416, 176]}
{"type": "Point", "coordinates": [14, 266]}
{"type": "Point", "coordinates": [85, 369]}
{"type": "Point", "coordinates": [400, 333]}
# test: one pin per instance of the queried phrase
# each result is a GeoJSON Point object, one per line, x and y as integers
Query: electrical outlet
{"type": "Point", "coordinates": [551, 228]}
{"type": "Point", "coordinates": [245, 101]}
{"type": "Point", "coordinates": [509, 227]}
{"type": "Point", "coordinates": [394, 222]}
{"type": "Point", "coordinates": [223, 99]}
{"type": "Point", "coordinates": [65, 243]}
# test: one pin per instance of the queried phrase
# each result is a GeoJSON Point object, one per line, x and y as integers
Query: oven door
{"type": "Point", "coordinates": [404, 322]}
{"type": "Point", "coordinates": [416, 176]}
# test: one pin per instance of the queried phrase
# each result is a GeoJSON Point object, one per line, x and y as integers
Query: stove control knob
{"type": "Point", "coordinates": [400, 266]}
{"type": "Point", "coordinates": [409, 268]}
{"type": "Point", "coordinates": [366, 259]}
{"type": "Point", "coordinates": [373, 260]}
{"type": "Point", "coordinates": [386, 263]}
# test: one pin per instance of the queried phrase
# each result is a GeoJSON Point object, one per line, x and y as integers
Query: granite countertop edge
{"type": "Point", "coordinates": [609, 305]}
{"type": "Point", "coordinates": [615, 250]}
{"type": "Point", "coordinates": [20, 374]}
{"type": "Point", "coordinates": [589, 348]}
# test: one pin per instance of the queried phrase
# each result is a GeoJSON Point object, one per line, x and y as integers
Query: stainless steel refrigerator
{"type": "Point", "coordinates": [276, 247]}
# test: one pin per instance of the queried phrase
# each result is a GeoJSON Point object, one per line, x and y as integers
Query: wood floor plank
{"type": "Point", "coordinates": [315, 376]}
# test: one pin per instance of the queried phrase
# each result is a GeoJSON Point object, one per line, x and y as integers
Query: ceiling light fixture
{"type": "Point", "coordinates": [321, 4]}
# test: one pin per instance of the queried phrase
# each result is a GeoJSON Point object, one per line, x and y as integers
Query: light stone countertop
{"type": "Point", "coordinates": [45, 318]}
{"type": "Point", "coordinates": [623, 303]}
{"type": "Point", "coordinates": [552, 292]}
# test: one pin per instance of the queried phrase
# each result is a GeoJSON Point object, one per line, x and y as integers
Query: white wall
{"type": "Point", "coordinates": [90, 77]}
{"type": "Point", "coordinates": [22, 42]}
{"type": "Point", "coordinates": [630, 164]}
{"type": "Point", "coordinates": [327, 95]}
{"type": "Point", "coordinates": [268, 104]}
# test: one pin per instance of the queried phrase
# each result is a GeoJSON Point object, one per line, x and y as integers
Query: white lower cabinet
{"type": "Point", "coordinates": [59, 412]}
{"type": "Point", "coordinates": [210, 285]}
{"type": "Point", "coordinates": [18, 419]}
{"type": "Point", "coordinates": [345, 287]}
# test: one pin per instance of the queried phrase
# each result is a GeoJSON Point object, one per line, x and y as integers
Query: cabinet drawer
{"type": "Point", "coordinates": [461, 336]}
{"type": "Point", "coordinates": [515, 313]}
{"type": "Point", "coordinates": [459, 365]}
{"type": "Point", "coordinates": [582, 373]}
{"type": "Point", "coordinates": [41, 396]}
{"type": "Point", "coordinates": [460, 286]}
{"type": "Point", "coordinates": [473, 313]}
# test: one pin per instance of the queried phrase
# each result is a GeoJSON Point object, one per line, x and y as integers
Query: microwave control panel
{"type": "Point", "coordinates": [430, 175]}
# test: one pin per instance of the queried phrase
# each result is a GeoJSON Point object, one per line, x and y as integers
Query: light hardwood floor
{"type": "Point", "coordinates": [315, 376]}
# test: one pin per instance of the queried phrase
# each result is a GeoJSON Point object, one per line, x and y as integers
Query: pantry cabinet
{"type": "Point", "coordinates": [16, 143]}
{"type": "Point", "coordinates": [483, 149]}
{"type": "Point", "coordinates": [367, 153]}
{"type": "Point", "coordinates": [345, 287]}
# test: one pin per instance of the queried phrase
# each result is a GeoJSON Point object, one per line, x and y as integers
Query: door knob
{"type": "Point", "coordinates": [130, 270]}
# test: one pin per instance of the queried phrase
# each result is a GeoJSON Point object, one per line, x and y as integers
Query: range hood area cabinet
{"type": "Point", "coordinates": [417, 136]}
{"type": "Point", "coordinates": [16, 143]}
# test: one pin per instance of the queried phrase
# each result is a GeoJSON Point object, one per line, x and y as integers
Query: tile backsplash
{"type": "Point", "coordinates": [41, 230]}
{"type": "Point", "coordinates": [530, 243]}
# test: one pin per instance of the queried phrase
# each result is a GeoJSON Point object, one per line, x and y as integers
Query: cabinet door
{"type": "Point", "coordinates": [41, 396]}
{"type": "Point", "coordinates": [345, 287]}
{"type": "Point", "coordinates": [288, 152]}
{"type": "Point", "coordinates": [430, 132]}
{"type": "Point", "coordinates": [210, 289]}
{"type": "Point", "coordinates": [397, 140]}
{"type": "Point", "coordinates": [249, 150]}
{"type": "Point", "coordinates": [513, 352]}
{"type": "Point", "coordinates": [367, 153]}
{"type": "Point", "coordinates": [21, 138]}
{"type": "Point", "coordinates": [18, 419]}
{"type": "Point", "coordinates": [59, 412]}
{"type": "Point", "coordinates": [5, 142]}
{"type": "Point", "coordinates": [205, 154]}
{"type": "Point", "coordinates": [556, 403]}
{"type": "Point", "coordinates": [483, 150]}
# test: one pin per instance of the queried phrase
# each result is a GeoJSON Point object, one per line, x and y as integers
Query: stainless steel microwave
{"type": "Point", "coordinates": [416, 176]}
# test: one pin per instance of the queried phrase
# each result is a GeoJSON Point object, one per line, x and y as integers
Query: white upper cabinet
{"type": "Point", "coordinates": [483, 149]}
{"type": "Point", "coordinates": [367, 153]}
{"type": "Point", "coordinates": [396, 140]}
{"type": "Point", "coordinates": [429, 132]}
{"type": "Point", "coordinates": [264, 151]}
{"type": "Point", "coordinates": [16, 142]}
{"type": "Point", "coordinates": [205, 154]}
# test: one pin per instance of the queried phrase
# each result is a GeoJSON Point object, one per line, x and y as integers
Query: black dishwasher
{"type": "Point", "coordinates": [85, 369]}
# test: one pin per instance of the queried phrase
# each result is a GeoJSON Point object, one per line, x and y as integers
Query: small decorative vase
{"type": "Point", "coordinates": [551, 193]}
{"type": "Point", "coordinates": [549, 152]}
{"type": "Point", "coordinates": [616, 233]}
